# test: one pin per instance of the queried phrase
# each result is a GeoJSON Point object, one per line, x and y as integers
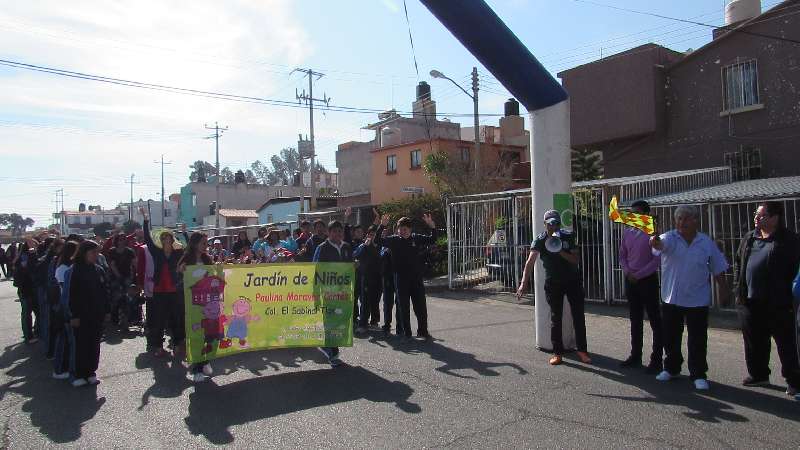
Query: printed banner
{"type": "Point", "coordinates": [236, 308]}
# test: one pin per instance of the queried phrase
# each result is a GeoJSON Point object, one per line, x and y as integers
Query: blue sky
{"type": "Point", "coordinates": [88, 137]}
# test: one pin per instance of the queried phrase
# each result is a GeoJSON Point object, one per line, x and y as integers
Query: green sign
{"type": "Point", "coordinates": [563, 204]}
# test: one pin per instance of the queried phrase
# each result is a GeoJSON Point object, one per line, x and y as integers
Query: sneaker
{"type": "Point", "coordinates": [360, 329]}
{"type": "Point", "coordinates": [160, 353]}
{"type": "Point", "coordinates": [79, 382]}
{"type": "Point", "coordinates": [584, 357]}
{"type": "Point", "coordinates": [632, 361]}
{"type": "Point", "coordinates": [207, 370]}
{"type": "Point", "coordinates": [555, 360]}
{"type": "Point", "coordinates": [791, 392]}
{"type": "Point", "coordinates": [61, 376]}
{"type": "Point", "coordinates": [426, 336]}
{"type": "Point", "coordinates": [33, 340]}
{"type": "Point", "coordinates": [335, 361]}
{"type": "Point", "coordinates": [750, 381]}
{"type": "Point", "coordinates": [701, 384]}
{"type": "Point", "coordinates": [664, 376]}
{"type": "Point", "coordinates": [199, 377]}
{"type": "Point", "coordinates": [93, 380]}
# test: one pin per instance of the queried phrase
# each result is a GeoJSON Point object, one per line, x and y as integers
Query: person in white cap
{"type": "Point", "coordinates": [562, 277]}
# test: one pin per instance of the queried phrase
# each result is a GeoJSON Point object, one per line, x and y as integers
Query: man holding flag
{"type": "Point", "coordinates": [640, 267]}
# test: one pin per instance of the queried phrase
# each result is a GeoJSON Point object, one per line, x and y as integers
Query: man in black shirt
{"type": "Point", "coordinates": [307, 251]}
{"type": "Point", "coordinates": [768, 261]}
{"type": "Point", "coordinates": [406, 248]}
{"type": "Point", "coordinates": [562, 277]}
{"type": "Point", "coordinates": [333, 249]}
{"type": "Point", "coordinates": [369, 266]}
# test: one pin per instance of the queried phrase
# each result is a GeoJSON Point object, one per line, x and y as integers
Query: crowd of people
{"type": "Point", "coordinates": [72, 290]}
{"type": "Point", "coordinates": [767, 292]}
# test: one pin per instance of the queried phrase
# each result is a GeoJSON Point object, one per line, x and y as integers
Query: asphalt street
{"type": "Point", "coordinates": [481, 383]}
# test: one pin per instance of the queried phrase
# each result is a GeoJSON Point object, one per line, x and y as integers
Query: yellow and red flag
{"type": "Point", "coordinates": [640, 221]}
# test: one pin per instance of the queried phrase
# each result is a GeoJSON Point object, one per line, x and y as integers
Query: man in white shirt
{"type": "Point", "coordinates": [688, 257]}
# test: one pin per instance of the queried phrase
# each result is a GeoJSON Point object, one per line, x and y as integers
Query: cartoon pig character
{"type": "Point", "coordinates": [213, 327]}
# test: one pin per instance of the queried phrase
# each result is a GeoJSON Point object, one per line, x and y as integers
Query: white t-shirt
{"type": "Point", "coordinates": [60, 270]}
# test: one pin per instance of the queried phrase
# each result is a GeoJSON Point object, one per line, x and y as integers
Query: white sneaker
{"type": "Point", "coordinates": [199, 377]}
{"type": "Point", "coordinates": [79, 382]}
{"type": "Point", "coordinates": [664, 376]}
{"type": "Point", "coordinates": [93, 380]}
{"type": "Point", "coordinates": [207, 370]}
{"type": "Point", "coordinates": [61, 376]}
{"type": "Point", "coordinates": [791, 392]}
{"type": "Point", "coordinates": [701, 384]}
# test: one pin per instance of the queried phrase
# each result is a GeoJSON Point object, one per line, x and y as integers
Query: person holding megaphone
{"type": "Point", "coordinates": [559, 254]}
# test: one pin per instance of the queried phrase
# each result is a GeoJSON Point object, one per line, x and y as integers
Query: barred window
{"type": "Point", "coordinates": [739, 85]}
{"type": "Point", "coordinates": [745, 164]}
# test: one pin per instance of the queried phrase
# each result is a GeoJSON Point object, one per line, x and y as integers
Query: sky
{"type": "Point", "coordinates": [87, 138]}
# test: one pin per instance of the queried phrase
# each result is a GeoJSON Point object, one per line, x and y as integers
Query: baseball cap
{"type": "Point", "coordinates": [216, 241]}
{"type": "Point", "coordinates": [552, 217]}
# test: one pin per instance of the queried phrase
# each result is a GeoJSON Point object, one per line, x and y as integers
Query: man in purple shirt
{"type": "Point", "coordinates": [641, 287]}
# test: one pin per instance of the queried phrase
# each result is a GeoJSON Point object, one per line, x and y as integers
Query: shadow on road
{"type": "Point", "coordinates": [169, 377]}
{"type": "Point", "coordinates": [56, 409]}
{"type": "Point", "coordinates": [454, 360]}
{"type": "Point", "coordinates": [713, 406]}
{"type": "Point", "coordinates": [214, 409]}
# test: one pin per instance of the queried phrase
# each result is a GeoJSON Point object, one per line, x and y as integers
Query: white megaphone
{"type": "Point", "coordinates": [553, 243]}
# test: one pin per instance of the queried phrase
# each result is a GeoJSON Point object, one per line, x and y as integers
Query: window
{"type": "Point", "coordinates": [465, 154]}
{"type": "Point", "coordinates": [76, 220]}
{"type": "Point", "coordinates": [167, 212]}
{"type": "Point", "coordinates": [194, 200]}
{"type": "Point", "coordinates": [739, 85]}
{"type": "Point", "coordinates": [116, 220]}
{"type": "Point", "coordinates": [745, 164]}
{"type": "Point", "coordinates": [509, 158]}
{"type": "Point", "coordinates": [416, 159]}
{"type": "Point", "coordinates": [88, 221]}
{"type": "Point", "coordinates": [269, 218]}
{"type": "Point", "coordinates": [391, 164]}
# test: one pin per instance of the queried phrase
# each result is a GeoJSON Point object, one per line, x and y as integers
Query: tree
{"type": "Point", "coordinates": [202, 171]}
{"type": "Point", "coordinates": [586, 165]}
{"type": "Point", "coordinates": [453, 176]}
{"type": "Point", "coordinates": [16, 223]}
{"type": "Point", "coordinates": [261, 172]}
{"type": "Point", "coordinates": [226, 175]}
{"type": "Point", "coordinates": [103, 229]}
{"type": "Point", "coordinates": [250, 177]}
{"type": "Point", "coordinates": [284, 166]}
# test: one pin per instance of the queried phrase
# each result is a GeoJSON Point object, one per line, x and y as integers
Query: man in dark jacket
{"type": "Point", "coordinates": [333, 249]}
{"type": "Point", "coordinates": [368, 256]}
{"type": "Point", "coordinates": [768, 261]}
{"type": "Point", "coordinates": [307, 251]}
{"type": "Point", "coordinates": [406, 248]}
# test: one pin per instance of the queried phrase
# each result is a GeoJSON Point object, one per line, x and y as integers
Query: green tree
{"type": "Point", "coordinates": [452, 176]}
{"type": "Point", "coordinates": [415, 207]}
{"type": "Point", "coordinates": [586, 165]}
{"type": "Point", "coordinates": [285, 165]}
{"type": "Point", "coordinates": [16, 223]}
{"type": "Point", "coordinates": [226, 175]}
{"type": "Point", "coordinates": [202, 171]}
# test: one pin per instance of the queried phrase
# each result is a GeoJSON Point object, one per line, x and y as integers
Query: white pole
{"type": "Point", "coordinates": [550, 174]}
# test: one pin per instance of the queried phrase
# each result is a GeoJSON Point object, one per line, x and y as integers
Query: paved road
{"type": "Point", "coordinates": [480, 384]}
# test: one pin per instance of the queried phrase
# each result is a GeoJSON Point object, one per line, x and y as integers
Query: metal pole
{"type": "Point", "coordinates": [313, 204]}
{"type": "Point", "coordinates": [449, 247]}
{"type": "Point", "coordinates": [216, 204]}
{"type": "Point", "coordinates": [476, 120]}
{"type": "Point", "coordinates": [162, 189]}
{"type": "Point", "coordinates": [130, 206]}
{"type": "Point", "coordinates": [607, 279]}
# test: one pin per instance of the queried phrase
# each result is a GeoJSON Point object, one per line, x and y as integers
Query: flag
{"type": "Point", "coordinates": [639, 221]}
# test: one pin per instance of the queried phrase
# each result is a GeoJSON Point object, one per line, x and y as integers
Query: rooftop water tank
{"type": "Point", "coordinates": [390, 136]}
{"type": "Point", "coordinates": [423, 91]}
{"type": "Point", "coordinates": [739, 10]}
{"type": "Point", "coordinates": [511, 107]}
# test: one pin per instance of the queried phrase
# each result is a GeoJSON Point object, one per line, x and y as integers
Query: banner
{"type": "Point", "coordinates": [236, 308]}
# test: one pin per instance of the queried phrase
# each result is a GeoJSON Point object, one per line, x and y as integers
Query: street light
{"type": "Point", "coordinates": [474, 97]}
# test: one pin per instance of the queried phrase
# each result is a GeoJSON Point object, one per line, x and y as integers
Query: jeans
{"type": "Point", "coordinates": [369, 312]}
{"type": "Point", "coordinates": [411, 291]}
{"type": "Point", "coordinates": [643, 295]}
{"type": "Point", "coordinates": [760, 322]}
{"type": "Point", "coordinates": [555, 292]}
{"type": "Point", "coordinates": [696, 320]}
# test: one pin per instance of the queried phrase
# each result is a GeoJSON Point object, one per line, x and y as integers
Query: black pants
{"type": "Point", "coordinates": [411, 291]}
{"type": "Point", "coordinates": [165, 312]}
{"type": "Point", "coordinates": [696, 320]}
{"type": "Point", "coordinates": [356, 297]}
{"type": "Point", "coordinates": [555, 292]}
{"type": "Point", "coordinates": [760, 322]}
{"type": "Point", "coordinates": [4, 269]}
{"type": "Point", "coordinates": [87, 347]}
{"type": "Point", "coordinates": [643, 296]}
{"type": "Point", "coordinates": [388, 302]}
{"type": "Point", "coordinates": [369, 310]}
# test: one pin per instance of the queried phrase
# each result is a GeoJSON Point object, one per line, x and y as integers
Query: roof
{"type": "Point", "coordinates": [733, 29]}
{"type": "Point", "coordinates": [438, 139]}
{"type": "Point", "coordinates": [280, 200]}
{"type": "Point", "coordinates": [631, 51]}
{"type": "Point", "coordinates": [648, 177]}
{"type": "Point", "coordinates": [750, 190]}
{"type": "Point", "coordinates": [238, 213]}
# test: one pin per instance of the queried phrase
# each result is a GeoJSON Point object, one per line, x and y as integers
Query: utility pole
{"type": "Point", "coordinates": [162, 186]}
{"type": "Point", "coordinates": [477, 121]}
{"type": "Point", "coordinates": [309, 100]}
{"type": "Point", "coordinates": [130, 205]}
{"type": "Point", "coordinates": [217, 133]}
{"type": "Point", "coordinates": [60, 210]}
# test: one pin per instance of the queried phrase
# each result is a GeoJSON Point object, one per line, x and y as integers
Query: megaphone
{"type": "Point", "coordinates": [553, 243]}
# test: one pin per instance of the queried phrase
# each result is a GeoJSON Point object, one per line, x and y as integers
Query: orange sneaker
{"type": "Point", "coordinates": [584, 357]}
{"type": "Point", "coordinates": [555, 360]}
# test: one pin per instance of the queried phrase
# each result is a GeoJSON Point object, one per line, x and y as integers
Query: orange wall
{"type": "Point", "coordinates": [385, 187]}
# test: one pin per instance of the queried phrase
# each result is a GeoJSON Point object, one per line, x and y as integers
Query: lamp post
{"type": "Point", "coordinates": [474, 97]}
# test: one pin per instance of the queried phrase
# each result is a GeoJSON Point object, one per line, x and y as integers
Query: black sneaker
{"type": "Point", "coordinates": [750, 381]}
{"type": "Point", "coordinates": [654, 368]}
{"type": "Point", "coordinates": [425, 336]}
{"type": "Point", "coordinates": [632, 361]}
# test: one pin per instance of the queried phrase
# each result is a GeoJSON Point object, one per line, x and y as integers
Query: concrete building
{"type": "Point", "coordinates": [732, 102]}
{"type": "Point", "coordinates": [287, 209]}
{"type": "Point", "coordinates": [510, 131]}
{"type": "Point", "coordinates": [233, 218]}
{"type": "Point", "coordinates": [397, 170]}
{"type": "Point", "coordinates": [197, 199]}
{"type": "Point", "coordinates": [86, 218]}
{"type": "Point", "coordinates": [170, 211]}
{"type": "Point", "coordinates": [353, 159]}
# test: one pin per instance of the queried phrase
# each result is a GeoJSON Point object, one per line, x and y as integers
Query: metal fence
{"type": "Point", "coordinates": [489, 235]}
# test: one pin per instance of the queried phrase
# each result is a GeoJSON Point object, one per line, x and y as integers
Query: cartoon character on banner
{"type": "Point", "coordinates": [240, 317]}
{"type": "Point", "coordinates": [209, 294]}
